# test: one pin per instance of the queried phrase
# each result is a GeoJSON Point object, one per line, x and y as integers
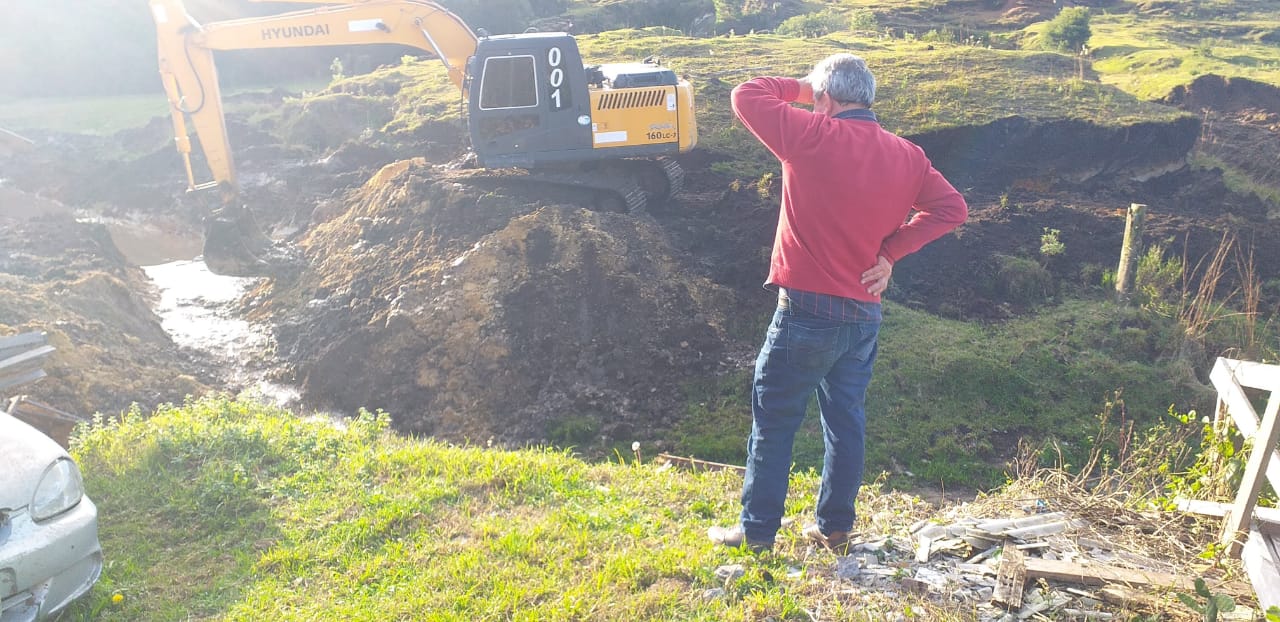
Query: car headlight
{"type": "Point", "coordinates": [60, 489]}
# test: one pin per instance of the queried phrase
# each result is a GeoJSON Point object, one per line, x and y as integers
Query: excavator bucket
{"type": "Point", "coordinates": [234, 245]}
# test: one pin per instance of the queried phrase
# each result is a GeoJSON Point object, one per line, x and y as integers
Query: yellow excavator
{"type": "Point", "coordinates": [532, 105]}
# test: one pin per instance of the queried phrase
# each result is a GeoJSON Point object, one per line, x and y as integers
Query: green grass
{"type": "Point", "coordinates": [101, 115]}
{"type": "Point", "coordinates": [1150, 57]}
{"type": "Point", "coordinates": [106, 114]}
{"type": "Point", "coordinates": [235, 511]}
{"type": "Point", "coordinates": [950, 400]}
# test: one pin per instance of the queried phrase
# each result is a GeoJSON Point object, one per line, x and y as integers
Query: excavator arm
{"type": "Point", "coordinates": [234, 244]}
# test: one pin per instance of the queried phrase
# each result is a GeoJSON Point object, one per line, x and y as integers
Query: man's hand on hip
{"type": "Point", "coordinates": [877, 277]}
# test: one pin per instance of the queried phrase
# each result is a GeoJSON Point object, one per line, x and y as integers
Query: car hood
{"type": "Point", "coordinates": [24, 455]}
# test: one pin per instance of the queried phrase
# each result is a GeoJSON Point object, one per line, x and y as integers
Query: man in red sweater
{"type": "Point", "coordinates": [848, 188]}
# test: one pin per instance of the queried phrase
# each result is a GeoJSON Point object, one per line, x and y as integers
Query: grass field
{"type": "Point", "coordinates": [235, 511]}
{"type": "Point", "coordinates": [99, 116]}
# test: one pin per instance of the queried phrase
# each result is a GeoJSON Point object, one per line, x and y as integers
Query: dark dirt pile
{"type": "Point", "coordinates": [67, 279]}
{"type": "Point", "coordinates": [471, 314]}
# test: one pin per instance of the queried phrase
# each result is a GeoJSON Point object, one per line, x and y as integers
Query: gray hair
{"type": "Point", "coordinates": [845, 78]}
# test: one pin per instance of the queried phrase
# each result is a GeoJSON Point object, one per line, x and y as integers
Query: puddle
{"type": "Point", "coordinates": [197, 309]}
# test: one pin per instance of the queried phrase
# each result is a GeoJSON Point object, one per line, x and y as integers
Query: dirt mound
{"type": "Point", "coordinates": [1240, 127]}
{"type": "Point", "coordinates": [1226, 95]}
{"type": "Point", "coordinates": [67, 279]}
{"type": "Point", "coordinates": [472, 314]}
{"type": "Point", "coordinates": [1015, 149]}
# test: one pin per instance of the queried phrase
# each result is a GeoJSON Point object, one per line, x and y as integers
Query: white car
{"type": "Point", "coordinates": [49, 551]}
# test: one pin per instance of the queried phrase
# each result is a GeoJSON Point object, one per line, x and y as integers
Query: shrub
{"type": "Point", "coordinates": [1159, 281]}
{"type": "Point", "coordinates": [946, 35]}
{"type": "Point", "coordinates": [1069, 31]}
{"type": "Point", "coordinates": [863, 19]}
{"type": "Point", "coordinates": [812, 25]}
{"type": "Point", "coordinates": [744, 15]}
{"type": "Point", "coordinates": [1023, 281]}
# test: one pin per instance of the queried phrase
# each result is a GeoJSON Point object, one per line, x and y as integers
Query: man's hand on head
{"type": "Point", "coordinates": [806, 92]}
{"type": "Point", "coordinates": [876, 278]}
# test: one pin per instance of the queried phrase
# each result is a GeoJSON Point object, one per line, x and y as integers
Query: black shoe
{"type": "Point", "coordinates": [735, 537]}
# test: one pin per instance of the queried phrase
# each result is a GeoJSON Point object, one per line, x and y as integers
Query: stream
{"type": "Point", "coordinates": [198, 309]}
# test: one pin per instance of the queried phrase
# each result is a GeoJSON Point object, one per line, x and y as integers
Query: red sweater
{"type": "Point", "coordinates": [848, 187]}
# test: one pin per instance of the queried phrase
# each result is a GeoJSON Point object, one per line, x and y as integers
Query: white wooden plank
{"type": "Point", "coordinates": [26, 357]}
{"type": "Point", "coordinates": [1237, 522]}
{"type": "Point", "coordinates": [1254, 375]}
{"type": "Point", "coordinates": [9, 380]}
{"type": "Point", "coordinates": [1267, 520]}
{"type": "Point", "coordinates": [1263, 568]}
{"type": "Point", "coordinates": [1241, 411]}
{"type": "Point", "coordinates": [22, 340]}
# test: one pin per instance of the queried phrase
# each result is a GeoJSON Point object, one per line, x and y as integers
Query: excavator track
{"type": "Point", "coordinates": [660, 178]}
{"type": "Point", "coordinates": [626, 186]}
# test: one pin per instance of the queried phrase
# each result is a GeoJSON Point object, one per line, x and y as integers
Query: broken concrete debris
{"type": "Point", "coordinates": [1042, 566]}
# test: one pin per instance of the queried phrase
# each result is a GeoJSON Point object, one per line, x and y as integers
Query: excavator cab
{"type": "Point", "coordinates": [533, 102]}
{"type": "Point", "coordinates": [528, 100]}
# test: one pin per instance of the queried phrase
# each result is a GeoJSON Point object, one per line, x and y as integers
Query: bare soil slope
{"type": "Point", "coordinates": [67, 279]}
{"type": "Point", "coordinates": [477, 314]}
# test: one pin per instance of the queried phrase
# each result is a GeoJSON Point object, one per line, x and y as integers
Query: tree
{"type": "Point", "coordinates": [1069, 31]}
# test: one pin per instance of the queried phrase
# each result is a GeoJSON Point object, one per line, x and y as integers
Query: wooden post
{"type": "Point", "coordinates": [1129, 251]}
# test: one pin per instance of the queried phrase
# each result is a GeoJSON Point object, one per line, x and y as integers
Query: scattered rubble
{"type": "Point", "coordinates": [1068, 555]}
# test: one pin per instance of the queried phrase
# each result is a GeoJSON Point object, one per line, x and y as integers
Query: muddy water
{"type": "Point", "coordinates": [198, 309]}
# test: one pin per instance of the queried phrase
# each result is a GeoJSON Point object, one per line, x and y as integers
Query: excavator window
{"type": "Point", "coordinates": [508, 82]}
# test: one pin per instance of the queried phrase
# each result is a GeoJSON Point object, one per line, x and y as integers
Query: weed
{"type": "Point", "coordinates": [1050, 244]}
{"type": "Point", "coordinates": [767, 186]}
{"type": "Point", "coordinates": [336, 69]}
{"type": "Point", "coordinates": [1218, 465]}
{"type": "Point", "coordinates": [1210, 604]}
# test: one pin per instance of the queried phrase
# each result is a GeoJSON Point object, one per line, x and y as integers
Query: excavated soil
{"type": "Point", "coordinates": [67, 279]}
{"type": "Point", "coordinates": [477, 313]}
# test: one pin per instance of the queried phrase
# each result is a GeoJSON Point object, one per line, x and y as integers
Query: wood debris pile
{"type": "Point", "coordinates": [1030, 566]}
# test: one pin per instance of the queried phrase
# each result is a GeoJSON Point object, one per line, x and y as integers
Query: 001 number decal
{"type": "Point", "coordinates": [556, 79]}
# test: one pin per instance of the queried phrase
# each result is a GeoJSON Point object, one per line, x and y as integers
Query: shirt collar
{"type": "Point", "coordinates": [857, 114]}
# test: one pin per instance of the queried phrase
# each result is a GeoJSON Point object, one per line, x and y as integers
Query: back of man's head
{"type": "Point", "coordinates": [845, 78]}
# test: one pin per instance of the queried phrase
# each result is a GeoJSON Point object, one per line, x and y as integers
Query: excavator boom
{"type": "Point", "coordinates": [234, 244]}
{"type": "Point", "coordinates": [189, 74]}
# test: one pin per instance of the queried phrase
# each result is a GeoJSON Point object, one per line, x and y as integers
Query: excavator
{"type": "Point", "coordinates": [533, 107]}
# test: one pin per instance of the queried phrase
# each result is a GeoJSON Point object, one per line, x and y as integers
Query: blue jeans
{"type": "Point", "coordinates": [802, 354]}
